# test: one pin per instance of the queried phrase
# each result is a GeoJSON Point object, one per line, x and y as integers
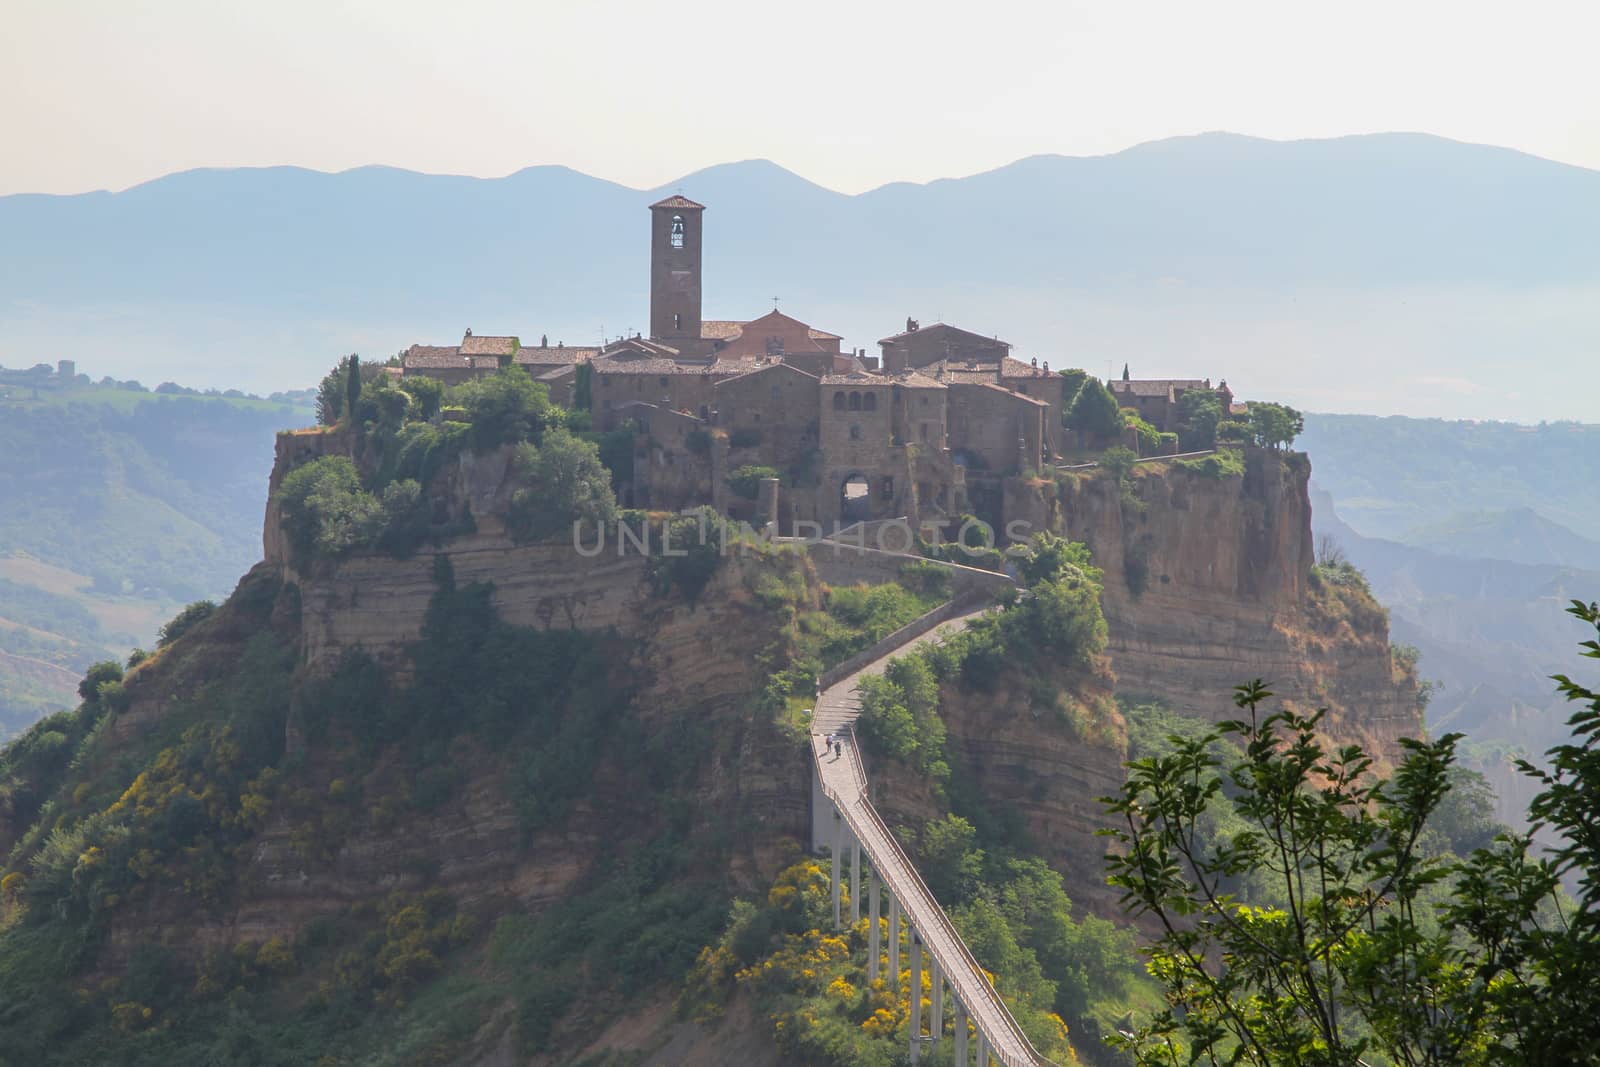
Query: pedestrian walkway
{"type": "Point", "coordinates": [844, 782]}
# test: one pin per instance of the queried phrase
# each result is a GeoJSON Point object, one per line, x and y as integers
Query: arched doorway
{"type": "Point", "coordinates": [855, 499]}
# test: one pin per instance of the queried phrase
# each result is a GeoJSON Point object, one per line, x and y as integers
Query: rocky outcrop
{"type": "Point", "coordinates": [1208, 584]}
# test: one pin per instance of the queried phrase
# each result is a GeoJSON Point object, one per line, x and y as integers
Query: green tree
{"type": "Point", "coordinates": [185, 620]}
{"type": "Point", "coordinates": [1095, 412]}
{"type": "Point", "coordinates": [428, 393]}
{"type": "Point", "coordinates": [1072, 380]}
{"type": "Point", "coordinates": [331, 394]}
{"type": "Point", "coordinates": [505, 408]}
{"type": "Point", "coordinates": [1543, 953]}
{"type": "Point", "coordinates": [325, 512]}
{"type": "Point", "coordinates": [567, 484]}
{"type": "Point", "coordinates": [352, 386]}
{"type": "Point", "coordinates": [583, 387]}
{"type": "Point", "coordinates": [1335, 964]}
{"type": "Point", "coordinates": [98, 674]}
{"type": "Point", "coordinates": [1199, 411]}
{"type": "Point", "coordinates": [1233, 430]}
{"type": "Point", "coordinates": [1275, 425]}
{"type": "Point", "coordinates": [950, 860]}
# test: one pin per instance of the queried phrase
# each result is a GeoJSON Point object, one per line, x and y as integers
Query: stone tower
{"type": "Point", "coordinates": [675, 273]}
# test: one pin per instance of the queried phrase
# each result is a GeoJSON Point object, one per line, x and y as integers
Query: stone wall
{"type": "Point", "coordinates": [999, 429]}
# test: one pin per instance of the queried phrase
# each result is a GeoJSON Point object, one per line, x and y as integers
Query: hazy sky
{"type": "Point", "coordinates": [107, 93]}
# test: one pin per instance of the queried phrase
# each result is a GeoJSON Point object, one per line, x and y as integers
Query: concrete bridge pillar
{"type": "Point", "coordinates": [916, 990]}
{"type": "Point", "coordinates": [855, 880]}
{"type": "Point", "coordinates": [961, 1034]}
{"type": "Point", "coordinates": [838, 863]}
{"type": "Point", "coordinates": [983, 1049]}
{"type": "Point", "coordinates": [936, 1023]}
{"type": "Point", "coordinates": [872, 925]}
{"type": "Point", "coordinates": [894, 942]}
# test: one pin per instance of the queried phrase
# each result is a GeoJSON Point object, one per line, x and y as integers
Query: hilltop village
{"type": "Point", "coordinates": [927, 429]}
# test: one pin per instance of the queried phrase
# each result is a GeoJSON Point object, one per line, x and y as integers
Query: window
{"type": "Point", "coordinates": [677, 323]}
{"type": "Point", "coordinates": [924, 401]}
{"type": "Point", "coordinates": [838, 401]}
{"type": "Point", "coordinates": [924, 431]}
{"type": "Point", "coordinates": [677, 231]}
{"type": "Point", "coordinates": [855, 401]}
{"type": "Point", "coordinates": [855, 431]}
{"type": "Point", "coordinates": [664, 378]}
{"type": "Point", "coordinates": [777, 393]}
{"type": "Point", "coordinates": [887, 491]}
{"type": "Point", "coordinates": [869, 402]}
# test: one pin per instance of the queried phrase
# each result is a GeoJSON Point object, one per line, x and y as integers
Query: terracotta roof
{"type": "Point", "coordinates": [948, 370]}
{"type": "Point", "coordinates": [823, 335]}
{"type": "Point", "coordinates": [553, 357]}
{"type": "Point", "coordinates": [658, 365]}
{"type": "Point", "coordinates": [857, 378]}
{"type": "Point", "coordinates": [1021, 398]}
{"type": "Point", "coordinates": [678, 201]}
{"type": "Point", "coordinates": [720, 329]}
{"type": "Point", "coordinates": [419, 351]}
{"type": "Point", "coordinates": [473, 345]}
{"type": "Point", "coordinates": [637, 348]}
{"type": "Point", "coordinates": [662, 365]}
{"type": "Point", "coordinates": [1155, 386]}
{"type": "Point", "coordinates": [433, 356]}
{"type": "Point", "coordinates": [942, 327]}
{"type": "Point", "coordinates": [484, 362]}
{"type": "Point", "coordinates": [1238, 408]}
{"type": "Point", "coordinates": [558, 372]}
{"type": "Point", "coordinates": [915, 380]}
{"type": "Point", "coordinates": [1017, 368]}
{"type": "Point", "coordinates": [748, 372]}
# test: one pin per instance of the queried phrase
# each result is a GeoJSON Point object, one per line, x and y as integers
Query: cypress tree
{"type": "Point", "coordinates": [352, 387]}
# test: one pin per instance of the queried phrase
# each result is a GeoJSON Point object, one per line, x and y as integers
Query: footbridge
{"type": "Point", "coordinates": [850, 826]}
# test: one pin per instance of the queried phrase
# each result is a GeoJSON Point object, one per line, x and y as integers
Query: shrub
{"type": "Point", "coordinates": [746, 481]}
{"type": "Point", "coordinates": [1148, 436]}
{"type": "Point", "coordinates": [184, 621]}
{"type": "Point", "coordinates": [1236, 432]}
{"type": "Point", "coordinates": [1118, 461]}
{"type": "Point", "coordinates": [1224, 464]}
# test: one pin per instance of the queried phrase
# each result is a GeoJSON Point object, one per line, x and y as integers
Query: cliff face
{"type": "Point", "coordinates": [1208, 584]}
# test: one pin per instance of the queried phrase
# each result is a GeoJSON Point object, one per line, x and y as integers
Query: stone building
{"type": "Point", "coordinates": [949, 421]}
{"type": "Point", "coordinates": [1156, 399]}
{"type": "Point", "coordinates": [918, 346]}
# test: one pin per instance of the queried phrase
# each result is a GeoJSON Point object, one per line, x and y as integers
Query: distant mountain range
{"type": "Point", "coordinates": [1393, 272]}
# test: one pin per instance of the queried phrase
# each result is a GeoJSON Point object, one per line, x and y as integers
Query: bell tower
{"type": "Point", "coordinates": [675, 273]}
